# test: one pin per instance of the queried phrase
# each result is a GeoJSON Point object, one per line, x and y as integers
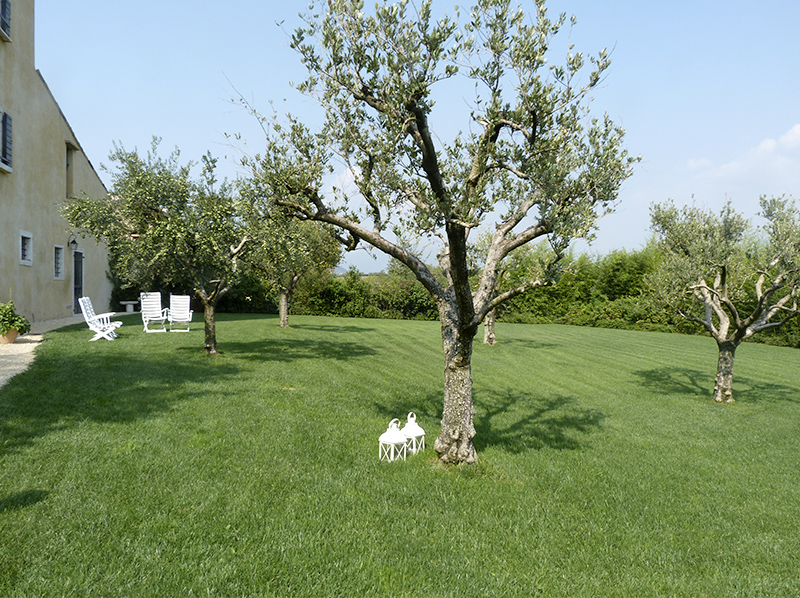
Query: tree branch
{"type": "Point", "coordinates": [481, 313]}
{"type": "Point", "coordinates": [373, 238]}
{"type": "Point", "coordinates": [420, 132]}
{"type": "Point", "coordinates": [236, 249]}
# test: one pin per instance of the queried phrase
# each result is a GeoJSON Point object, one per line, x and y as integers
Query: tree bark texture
{"type": "Point", "coordinates": [209, 319]}
{"type": "Point", "coordinates": [283, 307]}
{"type": "Point", "coordinates": [723, 389]}
{"type": "Point", "coordinates": [489, 337]}
{"type": "Point", "coordinates": [454, 443]}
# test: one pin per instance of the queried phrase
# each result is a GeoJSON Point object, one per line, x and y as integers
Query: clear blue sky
{"type": "Point", "coordinates": [708, 90]}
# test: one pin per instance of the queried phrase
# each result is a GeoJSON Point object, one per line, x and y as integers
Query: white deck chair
{"type": "Point", "coordinates": [100, 324]}
{"type": "Point", "coordinates": [152, 312]}
{"type": "Point", "coordinates": [180, 312]}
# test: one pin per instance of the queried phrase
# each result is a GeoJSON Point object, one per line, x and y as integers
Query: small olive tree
{"type": "Point", "coordinates": [733, 281]}
{"type": "Point", "coordinates": [286, 249]}
{"type": "Point", "coordinates": [530, 162]}
{"type": "Point", "coordinates": [163, 227]}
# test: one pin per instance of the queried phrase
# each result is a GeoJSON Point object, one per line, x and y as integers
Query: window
{"type": "Point", "coordinates": [70, 169]}
{"type": "Point", "coordinates": [5, 141]}
{"type": "Point", "coordinates": [58, 262]}
{"type": "Point", "coordinates": [25, 248]}
{"type": "Point", "coordinates": [5, 20]}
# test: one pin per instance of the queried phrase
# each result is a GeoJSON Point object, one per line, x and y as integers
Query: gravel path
{"type": "Point", "coordinates": [17, 356]}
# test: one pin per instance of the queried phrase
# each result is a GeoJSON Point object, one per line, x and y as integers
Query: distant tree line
{"type": "Point", "coordinates": [603, 291]}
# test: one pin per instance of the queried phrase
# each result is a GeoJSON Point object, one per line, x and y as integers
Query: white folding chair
{"type": "Point", "coordinates": [180, 312]}
{"type": "Point", "coordinates": [152, 312]}
{"type": "Point", "coordinates": [100, 324]}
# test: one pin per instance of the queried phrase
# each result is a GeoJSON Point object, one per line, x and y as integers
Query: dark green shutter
{"type": "Point", "coordinates": [5, 16]}
{"type": "Point", "coordinates": [5, 143]}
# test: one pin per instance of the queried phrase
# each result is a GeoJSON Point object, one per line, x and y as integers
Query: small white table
{"type": "Point", "coordinates": [129, 305]}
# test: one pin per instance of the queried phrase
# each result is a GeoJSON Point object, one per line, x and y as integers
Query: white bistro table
{"type": "Point", "coordinates": [129, 305]}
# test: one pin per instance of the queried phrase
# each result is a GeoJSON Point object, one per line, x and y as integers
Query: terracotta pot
{"type": "Point", "coordinates": [8, 338]}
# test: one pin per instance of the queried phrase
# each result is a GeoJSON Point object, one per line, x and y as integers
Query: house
{"type": "Point", "coordinates": [43, 268]}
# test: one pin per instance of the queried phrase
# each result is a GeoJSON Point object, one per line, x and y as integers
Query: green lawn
{"type": "Point", "coordinates": [142, 467]}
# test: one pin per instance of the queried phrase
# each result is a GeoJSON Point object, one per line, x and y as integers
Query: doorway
{"type": "Point", "coordinates": [77, 270]}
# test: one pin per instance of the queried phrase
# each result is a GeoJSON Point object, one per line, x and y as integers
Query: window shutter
{"type": "Point", "coordinates": [5, 16]}
{"type": "Point", "coordinates": [5, 143]}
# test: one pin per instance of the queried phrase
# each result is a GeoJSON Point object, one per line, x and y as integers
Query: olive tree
{"type": "Point", "coordinates": [733, 281]}
{"type": "Point", "coordinates": [287, 249]}
{"type": "Point", "coordinates": [164, 228]}
{"type": "Point", "coordinates": [529, 162]}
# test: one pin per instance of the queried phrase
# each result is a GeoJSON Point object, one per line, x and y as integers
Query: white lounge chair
{"type": "Point", "coordinates": [100, 324]}
{"type": "Point", "coordinates": [152, 312]}
{"type": "Point", "coordinates": [180, 312]}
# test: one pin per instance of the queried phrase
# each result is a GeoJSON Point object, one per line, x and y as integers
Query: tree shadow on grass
{"type": "Point", "coordinates": [510, 420]}
{"type": "Point", "coordinates": [20, 500]}
{"type": "Point", "coordinates": [684, 381]}
{"type": "Point", "coordinates": [287, 350]}
{"type": "Point", "coordinates": [62, 390]}
{"type": "Point", "coordinates": [426, 406]}
{"type": "Point", "coordinates": [517, 421]}
{"type": "Point", "coordinates": [752, 391]}
{"type": "Point", "coordinates": [517, 343]}
{"type": "Point", "coordinates": [677, 381]}
{"type": "Point", "coordinates": [329, 328]}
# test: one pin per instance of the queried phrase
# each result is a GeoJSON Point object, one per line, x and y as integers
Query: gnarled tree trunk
{"type": "Point", "coordinates": [489, 337]}
{"type": "Point", "coordinates": [210, 344]}
{"type": "Point", "coordinates": [283, 307]}
{"type": "Point", "coordinates": [723, 389]}
{"type": "Point", "coordinates": [454, 443]}
{"type": "Point", "coordinates": [210, 301]}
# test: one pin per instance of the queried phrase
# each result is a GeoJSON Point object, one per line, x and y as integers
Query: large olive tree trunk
{"type": "Point", "coordinates": [454, 443]}
{"type": "Point", "coordinates": [723, 389]}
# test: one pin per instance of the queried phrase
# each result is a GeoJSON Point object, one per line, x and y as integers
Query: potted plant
{"type": "Point", "coordinates": [11, 323]}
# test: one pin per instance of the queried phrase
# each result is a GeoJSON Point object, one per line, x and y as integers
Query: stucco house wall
{"type": "Point", "coordinates": [38, 181]}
